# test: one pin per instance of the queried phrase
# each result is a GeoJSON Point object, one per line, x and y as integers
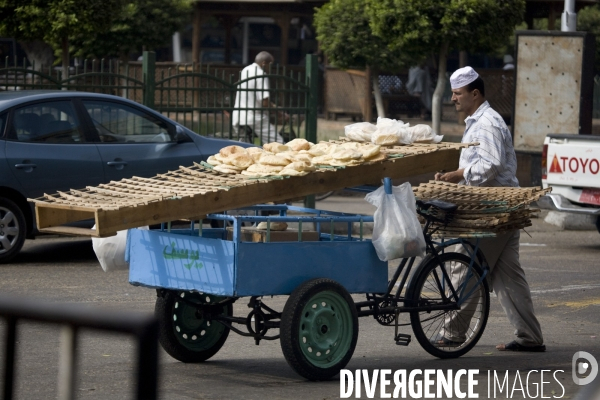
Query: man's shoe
{"type": "Point", "coordinates": [441, 341]}
{"type": "Point", "coordinates": [514, 346]}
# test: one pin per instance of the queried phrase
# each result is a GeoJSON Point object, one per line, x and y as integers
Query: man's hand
{"type": "Point", "coordinates": [452, 177]}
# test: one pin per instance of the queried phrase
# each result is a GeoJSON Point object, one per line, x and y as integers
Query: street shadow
{"type": "Point", "coordinates": [57, 250]}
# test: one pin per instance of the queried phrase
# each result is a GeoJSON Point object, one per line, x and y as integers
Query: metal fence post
{"type": "Point", "coordinates": [149, 77]}
{"type": "Point", "coordinates": [312, 80]}
{"type": "Point", "coordinates": [67, 363]}
{"type": "Point", "coordinates": [9, 354]}
{"type": "Point", "coordinates": [147, 368]}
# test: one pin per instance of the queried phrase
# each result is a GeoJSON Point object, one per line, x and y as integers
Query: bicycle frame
{"type": "Point", "coordinates": [434, 249]}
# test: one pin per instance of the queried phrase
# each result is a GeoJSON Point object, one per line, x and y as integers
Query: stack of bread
{"type": "Point", "coordinates": [295, 158]}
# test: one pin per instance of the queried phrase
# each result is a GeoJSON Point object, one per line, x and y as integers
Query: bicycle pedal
{"type": "Point", "coordinates": [402, 339]}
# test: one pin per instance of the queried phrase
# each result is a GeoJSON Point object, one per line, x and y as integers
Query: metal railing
{"type": "Point", "coordinates": [198, 96]}
{"type": "Point", "coordinates": [143, 327]}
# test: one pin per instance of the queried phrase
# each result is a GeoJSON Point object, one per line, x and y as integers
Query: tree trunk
{"type": "Point", "coordinates": [39, 54]}
{"type": "Point", "coordinates": [436, 102]}
{"type": "Point", "coordinates": [377, 95]}
{"type": "Point", "coordinates": [65, 57]}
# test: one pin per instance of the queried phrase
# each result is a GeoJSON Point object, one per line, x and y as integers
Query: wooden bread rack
{"type": "Point", "coordinates": [192, 192]}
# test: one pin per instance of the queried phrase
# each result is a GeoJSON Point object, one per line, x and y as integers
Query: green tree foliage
{"type": "Point", "coordinates": [142, 23]}
{"type": "Point", "coordinates": [345, 36]}
{"type": "Point", "coordinates": [588, 20]}
{"type": "Point", "coordinates": [417, 27]}
{"type": "Point", "coordinates": [56, 21]}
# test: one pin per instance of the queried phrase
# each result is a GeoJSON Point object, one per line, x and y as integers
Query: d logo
{"type": "Point", "coordinates": [582, 367]}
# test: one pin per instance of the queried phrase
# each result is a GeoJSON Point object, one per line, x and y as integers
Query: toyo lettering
{"type": "Point", "coordinates": [562, 164]}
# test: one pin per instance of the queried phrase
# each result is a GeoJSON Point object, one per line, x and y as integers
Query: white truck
{"type": "Point", "coordinates": [571, 167]}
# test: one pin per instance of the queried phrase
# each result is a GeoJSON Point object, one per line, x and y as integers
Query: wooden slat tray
{"type": "Point", "coordinates": [191, 192]}
{"type": "Point", "coordinates": [482, 211]}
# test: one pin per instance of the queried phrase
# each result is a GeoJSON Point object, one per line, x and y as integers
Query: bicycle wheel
{"type": "Point", "coordinates": [449, 333]}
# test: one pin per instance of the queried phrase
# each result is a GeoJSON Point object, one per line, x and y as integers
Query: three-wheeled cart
{"type": "Point", "coordinates": [200, 272]}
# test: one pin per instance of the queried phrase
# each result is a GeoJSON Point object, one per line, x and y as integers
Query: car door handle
{"type": "Point", "coordinates": [113, 163]}
{"type": "Point", "coordinates": [23, 166]}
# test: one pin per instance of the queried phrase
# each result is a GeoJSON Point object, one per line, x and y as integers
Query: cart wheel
{"type": "Point", "coordinates": [319, 329]}
{"type": "Point", "coordinates": [184, 332]}
{"type": "Point", "coordinates": [429, 287]}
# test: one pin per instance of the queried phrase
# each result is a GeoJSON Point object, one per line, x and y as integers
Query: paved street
{"type": "Point", "coordinates": [562, 268]}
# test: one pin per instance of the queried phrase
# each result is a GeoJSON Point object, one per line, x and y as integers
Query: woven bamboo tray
{"type": "Point", "coordinates": [482, 211]}
{"type": "Point", "coordinates": [192, 192]}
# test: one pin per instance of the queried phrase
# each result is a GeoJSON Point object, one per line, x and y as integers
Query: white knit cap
{"type": "Point", "coordinates": [462, 77]}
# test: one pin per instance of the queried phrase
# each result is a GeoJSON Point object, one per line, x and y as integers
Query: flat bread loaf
{"type": "Point", "coordinates": [220, 158]}
{"type": "Point", "coordinates": [303, 157]}
{"type": "Point", "coordinates": [251, 150]}
{"type": "Point", "coordinates": [240, 160]}
{"type": "Point", "coordinates": [226, 169]}
{"type": "Point", "coordinates": [276, 147]}
{"type": "Point", "coordinates": [291, 172]}
{"type": "Point", "coordinates": [264, 169]}
{"type": "Point", "coordinates": [300, 166]}
{"type": "Point", "coordinates": [213, 161]}
{"type": "Point", "coordinates": [346, 155]}
{"type": "Point", "coordinates": [299, 144]}
{"type": "Point", "coordinates": [271, 159]}
{"type": "Point", "coordinates": [322, 160]}
{"type": "Point", "coordinates": [274, 226]}
{"type": "Point", "coordinates": [320, 149]}
{"type": "Point", "coordinates": [369, 151]}
{"type": "Point", "coordinates": [344, 163]}
{"type": "Point", "coordinates": [385, 139]}
{"type": "Point", "coordinates": [230, 150]}
{"type": "Point", "coordinates": [351, 145]}
{"type": "Point", "coordinates": [376, 158]}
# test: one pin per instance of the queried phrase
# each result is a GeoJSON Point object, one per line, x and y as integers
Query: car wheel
{"type": "Point", "coordinates": [12, 230]}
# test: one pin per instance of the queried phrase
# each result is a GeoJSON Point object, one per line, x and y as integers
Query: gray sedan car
{"type": "Point", "coordinates": [56, 140]}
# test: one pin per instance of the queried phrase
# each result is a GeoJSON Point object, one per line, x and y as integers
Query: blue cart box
{"type": "Point", "coordinates": [180, 260]}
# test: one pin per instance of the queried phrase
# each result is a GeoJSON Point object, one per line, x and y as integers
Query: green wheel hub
{"type": "Point", "coordinates": [191, 329]}
{"type": "Point", "coordinates": [325, 331]}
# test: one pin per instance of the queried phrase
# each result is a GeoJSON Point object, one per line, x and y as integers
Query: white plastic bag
{"type": "Point", "coordinates": [388, 131]}
{"type": "Point", "coordinates": [421, 133]}
{"type": "Point", "coordinates": [110, 251]}
{"type": "Point", "coordinates": [360, 131]}
{"type": "Point", "coordinates": [396, 229]}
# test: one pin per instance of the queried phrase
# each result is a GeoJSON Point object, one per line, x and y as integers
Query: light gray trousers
{"type": "Point", "coordinates": [508, 281]}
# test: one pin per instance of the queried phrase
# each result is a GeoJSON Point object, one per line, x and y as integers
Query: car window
{"type": "Point", "coordinates": [119, 123]}
{"type": "Point", "coordinates": [51, 122]}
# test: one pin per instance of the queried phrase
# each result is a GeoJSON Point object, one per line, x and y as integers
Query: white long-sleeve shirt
{"type": "Point", "coordinates": [493, 162]}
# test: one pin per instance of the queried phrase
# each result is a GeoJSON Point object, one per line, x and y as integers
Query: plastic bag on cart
{"type": "Point", "coordinates": [388, 131]}
{"type": "Point", "coordinates": [110, 251]}
{"type": "Point", "coordinates": [396, 229]}
{"type": "Point", "coordinates": [420, 133]}
{"type": "Point", "coordinates": [360, 131]}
